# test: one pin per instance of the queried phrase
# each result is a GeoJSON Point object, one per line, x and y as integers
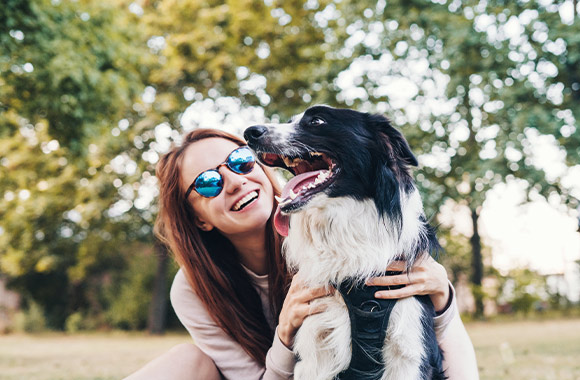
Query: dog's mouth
{"type": "Point", "coordinates": [313, 173]}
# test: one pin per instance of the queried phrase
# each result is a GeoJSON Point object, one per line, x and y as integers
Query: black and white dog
{"type": "Point", "coordinates": [352, 208]}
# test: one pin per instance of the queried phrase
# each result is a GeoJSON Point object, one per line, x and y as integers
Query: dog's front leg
{"type": "Point", "coordinates": [404, 351]}
{"type": "Point", "coordinates": [323, 342]}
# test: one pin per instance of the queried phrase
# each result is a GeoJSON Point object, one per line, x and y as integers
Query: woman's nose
{"type": "Point", "coordinates": [232, 181]}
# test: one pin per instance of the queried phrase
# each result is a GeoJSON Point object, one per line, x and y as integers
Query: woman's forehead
{"type": "Point", "coordinates": [205, 154]}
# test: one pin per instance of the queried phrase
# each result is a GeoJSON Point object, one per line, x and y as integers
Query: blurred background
{"type": "Point", "coordinates": [93, 92]}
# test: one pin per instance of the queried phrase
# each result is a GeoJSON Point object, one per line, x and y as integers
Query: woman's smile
{"type": "Point", "coordinates": [246, 202]}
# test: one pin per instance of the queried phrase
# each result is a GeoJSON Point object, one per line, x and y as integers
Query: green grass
{"type": "Point", "coordinates": [541, 350]}
{"type": "Point", "coordinates": [517, 350]}
{"type": "Point", "coordinates": [98, 356]}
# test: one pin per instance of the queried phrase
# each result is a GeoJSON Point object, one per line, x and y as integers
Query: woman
{"type": "Point", "coordinates": [216, 212]}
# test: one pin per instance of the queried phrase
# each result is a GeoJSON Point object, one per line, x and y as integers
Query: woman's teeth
{"type": "Point", "coordinates": [251, 196]}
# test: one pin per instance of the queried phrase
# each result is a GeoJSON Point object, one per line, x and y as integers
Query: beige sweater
{"type": "Point", "coordinates": [235, 363]}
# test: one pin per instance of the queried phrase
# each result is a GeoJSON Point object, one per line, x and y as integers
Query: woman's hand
{"type": "Point", "coordinates": [297, 307]}
{"type": "Point", "coordinates": [426, 277]}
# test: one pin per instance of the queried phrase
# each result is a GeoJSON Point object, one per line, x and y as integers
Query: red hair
{"type": "Point", "coordinates": [209, 259]}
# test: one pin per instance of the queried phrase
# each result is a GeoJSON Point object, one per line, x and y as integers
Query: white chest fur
{"type": "Point", "coordinates": [336, 238]}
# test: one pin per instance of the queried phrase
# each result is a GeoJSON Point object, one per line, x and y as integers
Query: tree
{"type": "Point", "coordinates": [485, 140]}
{"type": "Point", "coordinates": [268, 53]}
{"type": "Point", "coordinates": [68, 72]}
{"type": "Point", "coordinates": [556, 44]}
{"type": "Point", "coordinates": [71, 64]}
{"type": "Point", "coordinates": [473, 135]}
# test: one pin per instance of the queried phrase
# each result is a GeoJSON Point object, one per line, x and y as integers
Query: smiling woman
{"type": "Point", "coordinates": [222, 237]}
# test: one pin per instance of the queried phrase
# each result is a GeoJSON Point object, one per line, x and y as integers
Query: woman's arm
{"type": "Point", "coordinates": [427, 277]}
{"type": "Point", "coordinates": [458, 354]}
{"type": "Point", "coordinates": [228, 356]}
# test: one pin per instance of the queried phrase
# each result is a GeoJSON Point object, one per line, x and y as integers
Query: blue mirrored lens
{"type": "Point", "coordinates": [209, 183]}
{"type": "Point", "coordinates": [241, 160]}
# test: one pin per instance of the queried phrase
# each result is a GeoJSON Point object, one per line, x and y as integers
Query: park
{"type": "Point", "coordinates": [94, 93]}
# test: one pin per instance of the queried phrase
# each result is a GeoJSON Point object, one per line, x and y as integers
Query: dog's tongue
{"type": "Point", "coordinates": [282, 221]}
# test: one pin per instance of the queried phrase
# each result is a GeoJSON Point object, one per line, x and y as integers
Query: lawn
{"type": "Point", "coordinates": [529, 350]}
{"type": "Point", "coordinates": [79, 357]}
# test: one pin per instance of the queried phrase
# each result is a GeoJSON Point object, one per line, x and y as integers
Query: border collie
{"type": "Point", "coordinates": [351, 209]}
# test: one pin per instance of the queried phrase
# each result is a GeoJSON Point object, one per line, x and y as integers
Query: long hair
{"type": "Point", "coordinates": [210, 261]}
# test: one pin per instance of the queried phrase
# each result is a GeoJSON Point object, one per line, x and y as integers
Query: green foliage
{"type": "Point", "coordinates": [30, 320]}
{"type": "Point", "coordinates": [79, 56]}
{"type": "Point", "coordinates": [562, 122]}
{"type": "Point", "coordinates": [272, 54]}
{"type": "Point", "coordinates": [74, 323]}
{"type": "Point", "coordinates": [457, 252]}
{"type": "Point", "coordinates": [523, 289]}
{"type": "Point", "coordinates": [130, 295]}
{"type": "Point", "coordinates": [68, 71]}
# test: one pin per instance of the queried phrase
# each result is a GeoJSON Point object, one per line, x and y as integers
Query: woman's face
{"type": "Point", "coordinates": [223, 212]}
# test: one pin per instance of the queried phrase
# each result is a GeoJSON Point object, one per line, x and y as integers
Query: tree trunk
{"type": "Point", "coordinates": [476, 265]}
{"type": "Point", "coordinates": [158, 308]}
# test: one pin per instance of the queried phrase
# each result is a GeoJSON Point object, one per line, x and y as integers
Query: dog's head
{"type": "Point", "coordinates": [340, 153]}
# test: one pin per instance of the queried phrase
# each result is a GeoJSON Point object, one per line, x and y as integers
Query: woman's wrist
{"type": "Point", "coordinates": [284, 336]}
{"type": "Point", "coordinates": [441, 298]}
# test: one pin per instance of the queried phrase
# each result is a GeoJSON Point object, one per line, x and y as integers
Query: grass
{"type": "Point", "coordinates": [531, 350]}
{"type": "Point", "coordinates": [97, 356]}
{"type": "Point", "coordinates": [514, 350]}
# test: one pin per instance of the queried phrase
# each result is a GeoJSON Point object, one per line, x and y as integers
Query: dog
{"type": "Point", "coordinates": [350, 210]}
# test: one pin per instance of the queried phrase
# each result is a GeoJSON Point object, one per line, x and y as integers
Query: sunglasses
{"type": "Point", "coordinates": [210, 183]}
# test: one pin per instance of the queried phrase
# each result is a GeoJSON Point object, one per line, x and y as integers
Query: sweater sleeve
{"type": "Point", "coordinates": [459, 359]}
{"type": "Point", "coordinates": [229, 357]}
{"type": "Point", "coordinates": [443, 318]}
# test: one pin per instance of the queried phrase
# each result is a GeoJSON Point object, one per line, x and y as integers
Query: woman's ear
{"type": "Point", "coordinates": [202, 224]}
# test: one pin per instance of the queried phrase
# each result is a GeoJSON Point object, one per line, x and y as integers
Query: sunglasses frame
{"type": "Point", "coordinates": [226, 163]}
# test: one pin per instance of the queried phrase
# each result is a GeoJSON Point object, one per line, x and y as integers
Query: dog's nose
{"type": "Point", "coordinates": [254, 132]}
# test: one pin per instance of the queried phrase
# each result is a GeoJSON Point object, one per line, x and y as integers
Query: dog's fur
{"type": "Point", "coordinates": [368, 214]}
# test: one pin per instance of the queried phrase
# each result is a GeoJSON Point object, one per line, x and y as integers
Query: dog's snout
{"type": "Point", "coordinates": [254, 132]}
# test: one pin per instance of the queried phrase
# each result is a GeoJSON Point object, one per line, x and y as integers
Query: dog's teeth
{"type": "Point", "coordinates": [321, 177]}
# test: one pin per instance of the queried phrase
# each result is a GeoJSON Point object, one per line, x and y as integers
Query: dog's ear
{"type": "Point", "coordinates": [394, 140]}
{"type": "Point", "coordinates": [392, 175]}
{"type": "Point", "coordinates": [387, 195]}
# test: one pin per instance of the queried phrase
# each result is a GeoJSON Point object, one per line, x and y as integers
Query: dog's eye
{"type": "Point", "coordinates": [317, 121]}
